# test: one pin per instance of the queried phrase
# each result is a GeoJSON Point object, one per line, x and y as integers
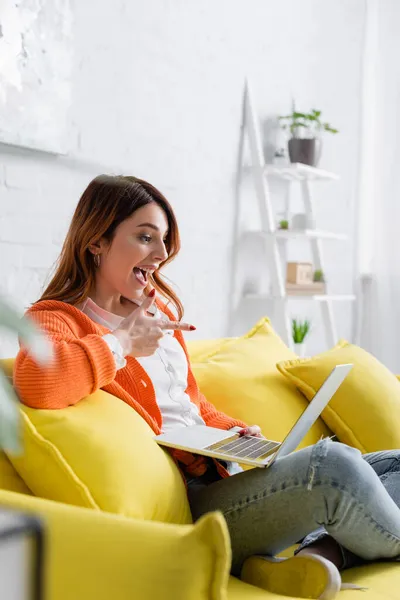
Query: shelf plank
{"type": "Point", "coordinates": [315, 297]}
{"type": "Point", "coordinates": [309, 233]}
{"type": "Point", "coordinates": [290, 234]}
{"type": "Point", "coordinates": [335, 297]}
{"type": "Point", "coordinates": [298, 172]}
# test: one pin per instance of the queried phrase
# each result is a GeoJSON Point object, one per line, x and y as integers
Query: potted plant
{"type": "Point", "coordinates": [40, 349]}
{"type": "Point", "coordinates": [300, 330]}
{"type": "Point", "coordinates": [284, 224]}
{"type": "Point", "coordinates": [305, 130]}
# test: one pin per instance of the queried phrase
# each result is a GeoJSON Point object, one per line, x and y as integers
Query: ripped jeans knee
{"type": "Point", "coordinates": [319, 452]}
{"type": "Point", "coordinates": [327, 455]}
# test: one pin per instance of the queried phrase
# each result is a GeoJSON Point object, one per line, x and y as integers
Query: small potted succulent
{"type": "Point", "coordinates": [300, 330]}
{"type": "Point", "coordinates": [284, 224]}
{"type": "Point", "coordinates": [319, 276]}
{"type": "Point", "coordinates": [305, 129]}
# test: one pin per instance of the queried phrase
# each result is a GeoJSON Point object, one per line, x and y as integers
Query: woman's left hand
{"type": "Point", "coordinates": [253, 430]}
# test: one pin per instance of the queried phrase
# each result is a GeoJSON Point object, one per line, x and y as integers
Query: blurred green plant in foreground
{"type": "Point", "coordinates": [38, 347]}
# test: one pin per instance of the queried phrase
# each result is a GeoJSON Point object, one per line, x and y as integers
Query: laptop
{"type": "Point", "coordinates": [250, 450]}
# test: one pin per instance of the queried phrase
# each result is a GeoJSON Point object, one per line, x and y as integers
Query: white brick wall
{"type": "Point", "coordinates": [157, 93]}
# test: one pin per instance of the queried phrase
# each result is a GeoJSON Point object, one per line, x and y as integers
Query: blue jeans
{"type": "Point", "coordinates": [326, 489]}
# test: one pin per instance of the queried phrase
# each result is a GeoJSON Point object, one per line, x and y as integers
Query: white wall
{"type": "Point", "coordinates": [380, 206]}
{"type": "Point", "coordinates": [157, 92]}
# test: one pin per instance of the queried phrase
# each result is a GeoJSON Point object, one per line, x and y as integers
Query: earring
{"type": "Point", "coordinates": [96, 259]}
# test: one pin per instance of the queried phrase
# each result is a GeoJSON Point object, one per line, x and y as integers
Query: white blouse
{"type": "Point", "coordinates": [167, 369]}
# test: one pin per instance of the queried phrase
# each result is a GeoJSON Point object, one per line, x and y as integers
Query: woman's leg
{"type": "Point", "coordinates": [386, 465]}
{"type": "Point", "coordinates": [328, 484]}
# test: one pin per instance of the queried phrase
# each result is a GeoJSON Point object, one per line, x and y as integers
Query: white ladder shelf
{"type": "Point", "coordinates": [275, 240]}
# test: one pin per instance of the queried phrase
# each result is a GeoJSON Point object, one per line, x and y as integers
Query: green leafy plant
{"type": "Point", "coordinates": [284, 224]}
{"type": "Point", "coordinates": [319, 275]}
{"type": "Point", "coordinates": [300, 330]}
{"type": "Point", "coordinates": [41, 350]}
{"type": "Point", "coordinates": [310, 124]}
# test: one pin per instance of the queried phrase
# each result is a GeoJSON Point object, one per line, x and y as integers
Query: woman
{"type": "Point", "coordinates": [109, 332]}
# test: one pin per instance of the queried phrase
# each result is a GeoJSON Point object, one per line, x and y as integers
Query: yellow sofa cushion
{"type": "Point", "coordinates": [7, 366]}
{"type": "Point", "coordinates": [98, 556]}
{"type": "Point", "coordinates": [365, 411]}
{"type": "Point", "coordinates": [240, 377]}
{"type": "Point", "coordinates": [101, 454]}
{"type": "Point", "coordinates": [9, 478]}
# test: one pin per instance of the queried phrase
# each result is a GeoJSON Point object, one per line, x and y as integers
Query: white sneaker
{"type": "Point", "coordinates": [301, 576]}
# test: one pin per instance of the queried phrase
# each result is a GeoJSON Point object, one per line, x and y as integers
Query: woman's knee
{"type": "Point", "coordinates": [333, 460]}
{"type": "Point", "coordinates": [343, 453]}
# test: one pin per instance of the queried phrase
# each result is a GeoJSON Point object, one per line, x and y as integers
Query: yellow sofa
{"type": "Point", "coordinates": [101, 545]}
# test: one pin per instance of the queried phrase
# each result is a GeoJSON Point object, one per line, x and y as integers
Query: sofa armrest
{"type": "Point", "coordinates": [97, 556]}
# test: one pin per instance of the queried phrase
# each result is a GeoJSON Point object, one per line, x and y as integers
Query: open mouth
{"type": "Point", "coordinates": [141, 275]}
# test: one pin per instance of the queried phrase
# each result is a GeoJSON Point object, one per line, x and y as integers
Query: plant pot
{"type": "Point", "coordinates": [304, 150]}
{"type": "Point", "coordinates": [300, 349]}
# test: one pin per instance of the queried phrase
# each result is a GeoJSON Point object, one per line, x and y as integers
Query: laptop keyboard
{"type": "Point", "coordinates": [244, 447]}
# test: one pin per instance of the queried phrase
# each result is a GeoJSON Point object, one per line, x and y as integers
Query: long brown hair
{"type": "Point", "coordinates": [105, 204]}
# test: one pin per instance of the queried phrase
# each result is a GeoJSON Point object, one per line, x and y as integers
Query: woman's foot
{"type": "Point", "coordinates": [326, 547]}
{"type": "Point", "coordinates": [303, 576]}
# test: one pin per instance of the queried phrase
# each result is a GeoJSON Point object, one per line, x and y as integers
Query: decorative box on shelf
{"type": "Point", "coordinates": [299, 273]}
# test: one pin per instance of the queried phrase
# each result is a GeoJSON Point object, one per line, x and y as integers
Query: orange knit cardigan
{"type": "Point", "coordinates": [83, 363]}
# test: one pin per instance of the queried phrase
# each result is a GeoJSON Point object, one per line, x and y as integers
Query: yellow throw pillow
{"type": "Point", "coordinates": [98, 556]}
{"type": "Point", "coordinates": [199, 349]}
{"type": "Point", "coordinates": [241, 379]}
{"type": "Point", "coordinates": [365, 411]}
{"type": "Point", "coordinates": [101, 454]}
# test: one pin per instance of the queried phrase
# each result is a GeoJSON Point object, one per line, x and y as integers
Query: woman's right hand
{"type": "Point", "coordinates": [140, 334]}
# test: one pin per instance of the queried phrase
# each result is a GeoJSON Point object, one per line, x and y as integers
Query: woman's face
{"type": "Point", "coordinates": [136, 250]}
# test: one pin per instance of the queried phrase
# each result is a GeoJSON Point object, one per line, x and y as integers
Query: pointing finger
{"type": "Point", "coordinates": [148, 301]}
{"type": "Point", "coordinates": [176, 325]}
